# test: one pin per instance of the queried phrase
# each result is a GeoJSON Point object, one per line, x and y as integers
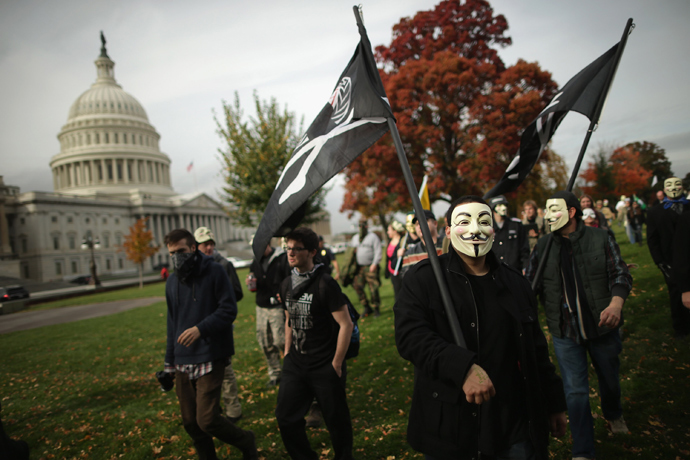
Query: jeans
{"type": "Point", "coordinates": [518, 451]}
{"type": "Point", "coordinates": [572, 360]}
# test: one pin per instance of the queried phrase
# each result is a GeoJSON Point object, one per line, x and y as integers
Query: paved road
{"type": "Point", "coordinates": [34, 319]}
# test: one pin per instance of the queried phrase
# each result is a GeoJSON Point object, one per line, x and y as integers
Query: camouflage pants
{"type": "Point", "coordinates": [270, 333]}
{"type": "Point", "coordinates": [366, 278]}
{"type": "Point", "coordinates": [231, 402]}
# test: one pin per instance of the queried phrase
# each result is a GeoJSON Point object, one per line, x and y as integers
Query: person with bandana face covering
{"type": "Point", "coordinates": [201, 310]}
{"type": "Point", "coordinates": [662, 220]}
{"type": "Point", "coordinates": [511, 244]}
{"type": "Point", "coordinates": [583, 289]}
{"type": "Point", "coordinates": [499, 397]}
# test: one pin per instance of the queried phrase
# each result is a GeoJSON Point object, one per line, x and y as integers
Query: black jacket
{"type": "Point", "coordinates": [661, 228]}
{"type": "Point", "coordinates": [270, 273]}
{"type": "Point", "coordinates": [442, 423]}
{"type": "Point", "coordinates": [232, 274]}
{"type": "Point", "coordinates": [511, 244]}
{"type": "Point", "coordinates": [681, 260]}
{"type": "Point", "coordinates": [206, 301]}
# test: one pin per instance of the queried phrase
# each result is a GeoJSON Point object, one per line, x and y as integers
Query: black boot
{"type": "Point", "coordinates": [248, 446]}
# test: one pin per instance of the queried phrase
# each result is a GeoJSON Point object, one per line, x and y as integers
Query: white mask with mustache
{"type": "Point", "coordinates": [556, 213]}
{"type": "Point", "coordinates": [673, 187]}
{"type": "Point", "coordinates": [472, 229]}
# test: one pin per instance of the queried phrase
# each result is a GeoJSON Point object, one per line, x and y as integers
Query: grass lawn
{"type": "Point", "coordinates": [87, 389]}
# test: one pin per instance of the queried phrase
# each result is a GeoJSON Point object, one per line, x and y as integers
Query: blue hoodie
{"type": "Point", "coordinates": [206, 301]}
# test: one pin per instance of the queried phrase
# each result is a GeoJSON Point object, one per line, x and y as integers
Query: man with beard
{"type": "Point", "coordinates": [583, 289]}
{"type": "Point", "coordinates": [500, 396]}
{"type": "Point", "coordinates": [201, 309]}
{"type": "Point", "coordinates": [533, 223]}
{"type": "Point", "coordinates": [662, 221]}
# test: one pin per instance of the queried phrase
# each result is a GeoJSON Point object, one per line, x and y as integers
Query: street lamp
{"type": "Point", "coordinates": [88, 243]}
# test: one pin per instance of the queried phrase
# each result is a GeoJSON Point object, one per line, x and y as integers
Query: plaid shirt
{"type": "Point", "coordinates": [195, 371]}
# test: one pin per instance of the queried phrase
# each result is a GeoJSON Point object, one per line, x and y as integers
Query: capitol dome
{"type": "Point", "coordinates": [108, 145]}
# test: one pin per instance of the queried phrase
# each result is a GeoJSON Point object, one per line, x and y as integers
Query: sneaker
{"type": "Point", "coordinates": [618, 426]}
{"type": "Point", "coordinates": [314, 418]}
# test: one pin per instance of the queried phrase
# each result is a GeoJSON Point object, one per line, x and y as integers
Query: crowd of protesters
{"type": "Point", "coordinates": [304, 320]}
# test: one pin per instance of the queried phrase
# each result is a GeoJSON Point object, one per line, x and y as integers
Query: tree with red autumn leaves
{"type": "Point", "coordinates": [459, 110]}
{"type": "Point", "coordinates": [628, 176]}
{"type": "Point", "coordinates": [137, 246]}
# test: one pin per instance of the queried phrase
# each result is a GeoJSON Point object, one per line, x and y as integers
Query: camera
{"type": "Point", "coordinates": [166, 380]}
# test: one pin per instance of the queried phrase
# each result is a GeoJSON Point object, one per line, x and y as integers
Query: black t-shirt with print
{"type": "Point", "coordinates": [314, 330]}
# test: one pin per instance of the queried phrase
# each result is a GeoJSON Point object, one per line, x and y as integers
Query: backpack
{"type": "Point", "coordinates": [353, 348]}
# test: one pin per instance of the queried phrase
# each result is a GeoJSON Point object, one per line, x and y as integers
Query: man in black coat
{"type": "Point", "coordinates": [661, 229]}
{"type": "Point", "coordinates": [500, 396]}
{"type": "Point", "coordinates": [201, 309]}
{"type": "Point", "coordinates": [681, 260]}
{"type": "Point", "coordinates": [511, 243]}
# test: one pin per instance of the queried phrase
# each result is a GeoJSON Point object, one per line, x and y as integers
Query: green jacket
{"type": "Point", "coordinates": [589, 254]}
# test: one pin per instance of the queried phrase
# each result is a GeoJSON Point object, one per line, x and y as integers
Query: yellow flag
{"type": "Point", "coordinates": [424, 195]}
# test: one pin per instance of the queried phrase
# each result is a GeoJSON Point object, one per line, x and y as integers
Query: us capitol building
{"type": "Point", "coordinates": [109, 173]}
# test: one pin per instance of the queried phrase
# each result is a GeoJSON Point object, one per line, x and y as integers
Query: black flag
{"type": "Point", "coordinates": [581, 94]}
{"type": "Point", "coordinates": [353, 119]}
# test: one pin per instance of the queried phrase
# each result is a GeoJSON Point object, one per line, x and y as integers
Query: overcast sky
{"type": "Point", "coordinates": [181, 59]}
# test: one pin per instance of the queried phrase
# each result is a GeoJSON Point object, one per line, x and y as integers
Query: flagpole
{"type": "Point", "coordinates": [592, 126]}
{"type": "Point", "coordinates": [419, 210]}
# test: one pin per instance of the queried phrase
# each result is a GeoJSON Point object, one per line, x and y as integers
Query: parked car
{"type": "Point", "coordinates": [83, 279]}
{"type": "Point", "coordinates": [13, 293]}
{"type": "Point", "coordinates": [239, 263]}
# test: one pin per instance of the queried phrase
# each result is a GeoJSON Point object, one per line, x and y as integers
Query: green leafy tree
{"type": "Point", "coordinates": [258, 147]}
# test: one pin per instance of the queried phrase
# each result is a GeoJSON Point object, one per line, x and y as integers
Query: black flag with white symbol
{"type": "Point", "coordinates": [581, 94]}
{"type": "Point", "coordinates": [354, 118]}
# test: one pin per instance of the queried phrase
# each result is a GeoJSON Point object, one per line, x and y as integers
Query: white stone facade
{"type": "Point", "coordinates": [109, 173]}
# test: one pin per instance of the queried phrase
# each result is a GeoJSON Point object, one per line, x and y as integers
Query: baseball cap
{"type": "Point", "coordinates": [428, 214]}
{"type": "Point", "coordinates": [203, 234]}
{"type": "Point", "coordinates": [495, 201]}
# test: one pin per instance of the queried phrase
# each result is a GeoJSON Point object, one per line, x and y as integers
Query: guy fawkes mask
{"type": "Point", "coordinates": [556, 213]}
{"type": "Point", "coordinates": [673, 187]}
{"type": "Point", "coordinates": [471, 229]}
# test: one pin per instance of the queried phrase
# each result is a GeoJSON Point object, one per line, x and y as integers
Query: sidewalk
{"type": "Point", "coordinates": [82, 288]}
{"type": "Point", "coordinates": [40, 318]}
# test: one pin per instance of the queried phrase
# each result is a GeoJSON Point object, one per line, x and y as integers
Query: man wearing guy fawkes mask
{"type": "Point", "coordinates": [583, 289]}
{"type": "Point", "coordinates": [500, 396]}
{"type": "Point", "coordinates": [511, 244]}
{"type": "Point", "coordinates": [662, 221]}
